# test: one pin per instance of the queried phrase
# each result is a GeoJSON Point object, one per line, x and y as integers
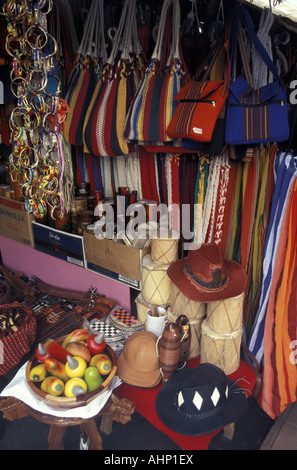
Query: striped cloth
{"type": "Point", "coordinates": [235, 229]}
{"type": "Point", "coordinates": [173, 196]}
{"type": "Point", "coordinates": [279, 383]}
{"type": "Point", "coordinates": [229, 207]}
{"type": "Point", "coordinates": [255, 254]}
{"type": "Point", "coordinates": [148, 175]}
{"type": "Point", "coordinates": [200, 193]}
{"type": "Point", "coordinates": [284, 168]}
{"type": "Point", "coordinates": [250, 182]}
{"type": "Point", "coordinates": [221, 200]}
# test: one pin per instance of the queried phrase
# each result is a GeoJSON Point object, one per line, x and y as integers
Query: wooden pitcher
{"type": "Point", "coordinates": [169, 350]}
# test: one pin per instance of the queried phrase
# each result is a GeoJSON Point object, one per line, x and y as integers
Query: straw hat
{"type": "Point", "coordinates": [200, 400]}
{"type": "Point", "coordinates": [138, 363]}
{"type": "Point", "coordinates": [204, 275]}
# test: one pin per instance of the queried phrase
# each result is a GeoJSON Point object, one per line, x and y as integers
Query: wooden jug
{"type": "Point", "coordinates": [169, 350]}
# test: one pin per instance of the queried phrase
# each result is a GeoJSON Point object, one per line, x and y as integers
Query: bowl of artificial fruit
{"type": "Point", "coordinates": [71, 371]}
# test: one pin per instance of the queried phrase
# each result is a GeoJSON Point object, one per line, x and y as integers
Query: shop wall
{"type": "Point", "coordinates": [59, 273]}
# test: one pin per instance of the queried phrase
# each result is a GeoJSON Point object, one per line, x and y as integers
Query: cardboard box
{"type": "Point", "coordinates": [16, 222]}
{"type": "Point", "coordinates": [62, 245]}
{"type": "Point", "coordinates": [115, 260]}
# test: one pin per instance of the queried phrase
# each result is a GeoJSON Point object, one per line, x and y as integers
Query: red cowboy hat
{"type": "Point", "coordinates": [204, 276]}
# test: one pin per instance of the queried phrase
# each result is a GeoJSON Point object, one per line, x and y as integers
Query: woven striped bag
{"type": "Point", "coordinates": [153, 105]}
{"type": "Point", "coordinates": [84, 76]}
{"type": "Point", "coordinates": [106, 115]}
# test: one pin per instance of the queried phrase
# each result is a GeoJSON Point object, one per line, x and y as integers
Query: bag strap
{"type": "Point", "coordinates": [167, 45]}
{"type": "Point", "coordinates": [119, 32]}
{"type": "Point", "coordinates": [127, 40]}
{"type": "Point", "coordinates": [157, 53]}
{"type": "Point", "coordinates": [208, 63]}
{"type": "Point", "coordinates": [244, 57]}
{"type": "Point", "coordinates": [206, 66]}
{"type": "Point", "coordinates": [250, 28]}
{"type": "Point", "coordinates": [101, 33]}
{"type": "Point", "coordinates": [89, 37]}
{"type": "Point", "coordinates": [176, 21]}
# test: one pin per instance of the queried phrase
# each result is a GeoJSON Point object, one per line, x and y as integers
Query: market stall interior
{"type": "Point", "coordinates": [147, 222]}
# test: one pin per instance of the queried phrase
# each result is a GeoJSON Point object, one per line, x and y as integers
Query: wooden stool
{"type": "Point", "coordinates": [58, 427]}
{"type": "Point", "coordinates": [116, 409]}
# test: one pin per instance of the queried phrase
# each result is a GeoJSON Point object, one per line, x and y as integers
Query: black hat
{"type": "Point", "coordinates": [200, 400]}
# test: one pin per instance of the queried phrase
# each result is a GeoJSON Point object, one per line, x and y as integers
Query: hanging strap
{"type": "Point", "coordinates": [119, 32]}
{"type": "Point", "coordinates": [101, 33]}
{"type": "Point", "coordinates": [176, 20]}
{"type": "Point", "coordinates": [250, 28]}
{"type": "Point", "coordinates": [86, 39]}
{"type": "Point", "coordinates": [158, 51]}
{"type": "Point", "coordinates": [127, 39]}
{"type": "Point", "coordinates": [244, 57]}
{"type": "Point", "coordinates": [205, 68]}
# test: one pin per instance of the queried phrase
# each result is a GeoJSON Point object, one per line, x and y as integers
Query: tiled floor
{"type": "Point", "coordinates": [283, 434]}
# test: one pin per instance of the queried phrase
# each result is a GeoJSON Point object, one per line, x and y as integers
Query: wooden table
{"type": "Point", "coordinates": [116, 409]}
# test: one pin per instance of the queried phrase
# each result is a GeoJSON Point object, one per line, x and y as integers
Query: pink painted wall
{"type": "Point", "coordinates": [19, 257]}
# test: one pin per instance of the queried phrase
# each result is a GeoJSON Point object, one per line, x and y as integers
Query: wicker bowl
{"type": "Point", "coordinates": [62, 402]}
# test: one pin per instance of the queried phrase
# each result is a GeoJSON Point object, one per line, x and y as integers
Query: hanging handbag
{"type": "Point", "coordinates": [255, 116]}
{"type": "Point", "coordinates": [105, 118]}
{"type": "Point", "coordinates": [84, 75]}
{"type": "Point", "coordinates": [153, 105]}
{"type": "Point", "coordinates": [200, 101]}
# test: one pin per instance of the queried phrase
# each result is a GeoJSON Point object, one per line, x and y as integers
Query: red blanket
{"type": "Point", "coordinates": [144, 401]}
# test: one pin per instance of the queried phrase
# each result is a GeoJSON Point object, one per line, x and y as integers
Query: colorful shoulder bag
{"type": "Point", "coordinates": [106, 115]}
{"type": "Point", "coordinates": [153, 105]}
{"type": "Point", "coordinates": [84, 76]}
{"type": "Point", "coordinates": [254, 116]}
{"type": "Point", "coordinates": [200, 101]}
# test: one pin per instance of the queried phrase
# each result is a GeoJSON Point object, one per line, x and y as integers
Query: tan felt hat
{"type": "Point", "coordinates": [138, 363]}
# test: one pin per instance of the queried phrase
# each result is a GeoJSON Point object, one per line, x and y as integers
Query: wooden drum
{"type": "Point", "coordinates": [222, 350]}
{"type": "Point", "coordinates": [165, 250]}
{"type": "Point", "coordinates": [155, 282]}
{"type": "Point", "coordinates": [225, 316]}
{"type": "Point", "coordinates": [181, 305]}
{"type": "Point", "coordinates": [195, 325]}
